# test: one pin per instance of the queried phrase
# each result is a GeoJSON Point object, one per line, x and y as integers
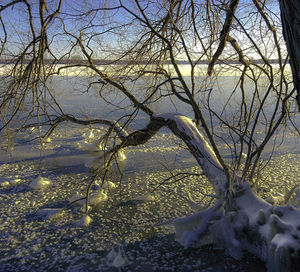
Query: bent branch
{"type": "Point", "coordinates": [184, 128]}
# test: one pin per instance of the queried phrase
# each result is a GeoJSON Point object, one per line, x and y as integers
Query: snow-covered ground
{"type": "Point", "coordinates": [129, 224]}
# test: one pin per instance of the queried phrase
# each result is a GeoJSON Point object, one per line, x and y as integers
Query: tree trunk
{"type": "Point", "coordinates": [270, 232]}
{"type": "Point", "coordinates": [290, 17]}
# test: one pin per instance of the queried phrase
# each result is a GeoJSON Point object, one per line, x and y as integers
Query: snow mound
{"type": "Point", "coordinates": [40, 183]}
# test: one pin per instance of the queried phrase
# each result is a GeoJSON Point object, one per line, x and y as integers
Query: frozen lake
{"type": "Point", "coordinates": [138, 211]}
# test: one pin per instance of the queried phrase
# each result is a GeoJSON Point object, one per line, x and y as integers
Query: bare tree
{"type": "Point", "coordinates": [124, 43]}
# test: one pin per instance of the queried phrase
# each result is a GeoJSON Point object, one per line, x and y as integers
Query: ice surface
{"type": "Point", "coordinates": [28, 244]}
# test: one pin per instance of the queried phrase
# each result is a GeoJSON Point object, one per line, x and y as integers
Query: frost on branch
{"type": "Point", "coordinates": [185, 128]}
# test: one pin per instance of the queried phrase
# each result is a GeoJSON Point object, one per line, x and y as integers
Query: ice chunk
{"type": "Point", "coordinates": [84, 221]}
{"type": "Point", "coordinates": [97, 197]}
{"type": "Point", "coordinates": [49, 213]}
{"type": "Point", "coordinates": [146, 197]}
{"type": "Point", "coordinates": [106, 184]}
{"type": "Point", "coordinates": [111, 255]}
{"type": "Point", "coordinates": [93, 148]}
{"type": "Point", "coordinates": [89, 134]}
{"type": "Point", "coordinates": [94, 198]}
{"type": "Point", "coordinates": [40, 183]}
{"type": "Point", "coordinates": [4, 183]}
{"type": "Point", "coordinates": [121, 155]}
{"type": "Point", "coordinates": [116, 258]}
{"type": "Point", "coordinates": [47, 140]}
{"type": "Point", "coordinates": [109, 185]}
{"type": "Point", "coordinates": [15, 181]}
{"type": "Point", "coordinates": [275, 198]}
{"type": "Point", "coordinates": [83, 208]}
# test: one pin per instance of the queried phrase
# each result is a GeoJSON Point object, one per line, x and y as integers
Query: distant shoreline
{"type": "Point", "coordinates": [124, 62]}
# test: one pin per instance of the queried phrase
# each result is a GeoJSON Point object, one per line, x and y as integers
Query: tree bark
{"type": "Point", "coordinates": [290, 17]}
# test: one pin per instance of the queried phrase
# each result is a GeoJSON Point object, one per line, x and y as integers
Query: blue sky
{"type": "Point", "coordinates": [19, 28]}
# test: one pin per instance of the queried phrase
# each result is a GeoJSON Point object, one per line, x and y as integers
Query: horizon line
{"type": "Point", "coordinates": [128, 62]}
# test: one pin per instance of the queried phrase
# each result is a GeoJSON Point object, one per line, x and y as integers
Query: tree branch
{"type": "Point", "coordinates": [223, 35]}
